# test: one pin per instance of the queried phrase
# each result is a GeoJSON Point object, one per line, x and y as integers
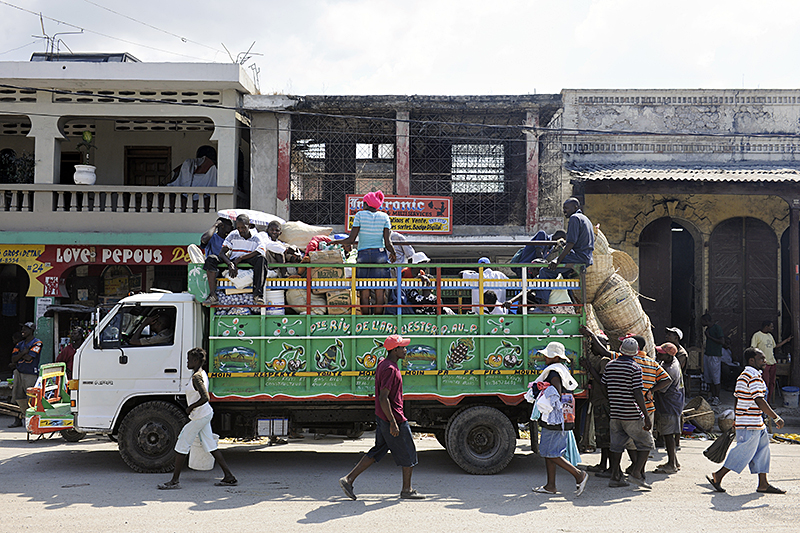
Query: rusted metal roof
{"type": "Point", "coordinates": [745, 172]}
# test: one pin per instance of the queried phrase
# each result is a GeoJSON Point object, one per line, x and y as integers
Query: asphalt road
{"type": "Point", "coordinates": [50, 484]}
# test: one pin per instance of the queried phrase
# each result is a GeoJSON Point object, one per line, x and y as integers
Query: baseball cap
{"type": "Point", "coordinates": [667, 348]}
{"type": "Point", "coordinates": [677, 332]}
{"type": "Point", "coordinates": [393, 341]}
{"type": "Point", "coordinates": [30, 325]}
{"type": "Point", "coordinates": [555, 350]}
{"type": "Point", "coordinates": [420, 257]}
{"type": "Point", "coordinates": [484, 260]}
{"type": "Point", "coordinates": [629, 346]}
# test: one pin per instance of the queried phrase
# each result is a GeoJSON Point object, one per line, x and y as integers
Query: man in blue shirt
{"type": "Point", "coordinates": [579, 247]}
{"type": "Point", "coordinates": [211, 241]}
{"type": "Point", "coordinates": [25, 359]}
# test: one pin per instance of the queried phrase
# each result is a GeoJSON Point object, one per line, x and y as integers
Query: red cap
{"type": "Point", "coordinates": [667, 348]}
{"type": "Point", "coordinates": [393, 341]}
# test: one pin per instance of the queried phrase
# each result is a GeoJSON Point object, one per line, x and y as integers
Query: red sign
{"type": "Point", "coordinates": [410, 214]}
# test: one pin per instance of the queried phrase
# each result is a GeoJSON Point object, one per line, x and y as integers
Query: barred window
{"type": "Point", "coordinates": [477, 168]}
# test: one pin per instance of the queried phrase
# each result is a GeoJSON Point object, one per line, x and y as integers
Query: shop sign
{"type": "Point", "coordinates": [46, 264]}
{"type": "Point", "coordinates": [410, 214]}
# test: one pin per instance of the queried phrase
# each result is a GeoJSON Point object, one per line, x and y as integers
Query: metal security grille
{"type": "Point", "coordinates": [332, 157]}
{"type": "Point", "coordinates": [478, 159]}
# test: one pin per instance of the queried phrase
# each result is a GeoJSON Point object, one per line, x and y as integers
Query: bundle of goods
{"type": "Point", "coordinates": [234, 299]}
{"type": "Point", "coordinates": [700, 414]}
{"type": "Point", "coordinates": [300, 234]}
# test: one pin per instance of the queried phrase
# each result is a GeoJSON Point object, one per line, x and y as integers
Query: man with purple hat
{"type": "Point", "coordinates": [393, 432]}
{"type": "Point", "coordinates": [373, 229]}
{"type": "Point", "coordinates": [25, 360]}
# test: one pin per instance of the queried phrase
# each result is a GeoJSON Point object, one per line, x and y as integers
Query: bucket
{"type": "Point", "coordinates": [790, 396]}
{"type": "Point", "coordinates": [199, 458]}
{"type": "Point", "coordinates": [273, 298]}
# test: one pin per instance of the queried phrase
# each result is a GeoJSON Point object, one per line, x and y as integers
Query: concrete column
{"type": "Point", "coordinates": [402, 154]}
{"type": "Point", "coordinates": [227, 136]}
{"type": "Point", "coordinates": [532, 166]}
{"type": "Point", "coordinates": [47, 149]}
{"type": "Point", "coordinates": [284, 165]}
{"type": "Point", "coordinates": [264, 162]}
{"type": "Point", "coordinates": [794, 262]}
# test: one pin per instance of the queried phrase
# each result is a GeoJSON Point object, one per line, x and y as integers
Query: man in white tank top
{"type": "Point", "coordinates": [200, 415]}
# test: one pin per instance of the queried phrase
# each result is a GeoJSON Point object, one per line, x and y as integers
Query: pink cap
{"type": "Point", "coordinates": [393, 341]}
{"type": "Point", "coordinates": [374, 199]}
{"type": "Point", "coordinates": [667, 348]}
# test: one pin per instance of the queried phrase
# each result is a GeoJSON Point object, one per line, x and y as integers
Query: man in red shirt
{"type": "Point", "coordinates": [67, 353]}
{"type": "Point", "coordinates": [393, 432]}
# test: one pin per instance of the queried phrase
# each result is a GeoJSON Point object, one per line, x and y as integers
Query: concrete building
{"type": "Point", "coordinates": [62, 242]}
{"type": "Point", "coordinates": [700, 187]}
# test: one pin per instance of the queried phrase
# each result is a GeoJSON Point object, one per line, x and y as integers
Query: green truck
{"type": "Point", "coordinates": [464, 377]}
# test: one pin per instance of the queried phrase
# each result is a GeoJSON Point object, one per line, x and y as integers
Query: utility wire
{"type": "Point", "coordinates": [183, 39]}
{"type": "Point", "coordinates": [57, 21]}
{"type": "Point", "coordinates": [17, 48]}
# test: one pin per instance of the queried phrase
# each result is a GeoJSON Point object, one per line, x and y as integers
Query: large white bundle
{"type": "Point", "coordinates": [259, 218]}
{"type": "Point", "coordinates": [300, 234]}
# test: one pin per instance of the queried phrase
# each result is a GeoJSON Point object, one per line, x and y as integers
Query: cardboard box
{"type": "Point", "coordinates": [338, 298]}
{"type": "Point", "coordinates": [321, 273]}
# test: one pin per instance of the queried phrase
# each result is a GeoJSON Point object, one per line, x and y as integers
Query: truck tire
{"type": "Point", "coordinates": [440, 437]}
{"type": "Point", "coordinates": [148, 434]}
{"type": "Point", "coordinates": [72, 435]}
{"type": "Point", "coordinates": [481, 440]}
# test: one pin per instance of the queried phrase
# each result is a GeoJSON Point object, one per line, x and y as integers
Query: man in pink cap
{"type": "Point", "coordinates": [393, 432]}
{"type": "Point", "coordinates": [373, 229]}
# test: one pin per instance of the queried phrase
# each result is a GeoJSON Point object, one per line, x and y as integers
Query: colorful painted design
{"type": "Point", "coordinates": [536, 360]}
{"type": "Point", "coordinates": [233, 328]}
{"type": "Point", "coordinates": [235, 359]}
{"type": "Point", "coordinates": [461, 350]}
{"type": "Point", "coordinates": [507, 355]}
{"type": "Point", "coordinates": [555, 325]}
{"type": "Point", "coordinates": [331, 357]}
{"type": "Point", "coordinates": [284, 327]}
{"type": "Point", "coordinates": [500, 326]}
{"type": "Point", "coordinates": [290, 359]}
{"type": "Point", "coordinates": [371, 359]}
{"type": "Point", "coordinates": [420, 357]}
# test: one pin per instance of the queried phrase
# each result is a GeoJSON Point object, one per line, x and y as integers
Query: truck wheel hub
{"type": "Point", "coordinates": [481, 440]}
{"type": "Point", "coordinates": [153, 438]}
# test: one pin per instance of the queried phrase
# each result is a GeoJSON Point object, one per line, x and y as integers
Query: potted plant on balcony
{"type": "Point", "coordinates": [85, 173]}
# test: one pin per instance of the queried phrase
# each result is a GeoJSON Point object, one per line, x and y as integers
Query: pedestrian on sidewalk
{"type": "Point", "coordinates": [25, 361]}
{"type": "Point", "coordinates": [669, 407]}
{"type": "Point", "coordinates": [752, 439]}
{"type": "Point", "coordinates": [712, 357]}
{"type": "Point", "coordinates": [764, 341]}
{"type": "Point", "coordinates": [393, 432]}
{"type": "Point", "coordinates": [200, 415]}
{"type": "Point", "coordinates": [556, 403]}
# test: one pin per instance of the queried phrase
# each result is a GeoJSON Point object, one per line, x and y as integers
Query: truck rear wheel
{"type": "Point", "coordinates": [72, 435]}
{"type": "Point", "coordinates": [481, 440]}
{"type": "Point", "coordinates": [148, 434]}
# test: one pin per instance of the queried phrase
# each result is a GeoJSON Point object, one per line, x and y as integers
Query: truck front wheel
{"type": "Point", "coordinates": [481, 440]}
{"type": "Point", "coordinates": [148, 434]}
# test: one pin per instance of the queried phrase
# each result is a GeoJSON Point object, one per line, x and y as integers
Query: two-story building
{"type": "Point", "coordinates": [60, 241]}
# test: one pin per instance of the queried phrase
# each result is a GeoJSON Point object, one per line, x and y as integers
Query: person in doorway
{"type": "Point", "coordinates": [712, 357]}
{"type": "Point", "coordinates": [578, 249]}
{"type": "Point", "coordinates": [199, 425]}
{"type": "Point", "coordinates": [629, 420]}
{"type": "Point", "coordinates": [554, 381]}
{"type": "Point", "coordinates": [198, 172]}
{"type": "Point", "coordinates": [764, 341]}
{"type": "Point", "coordinates": [752, 439]}
{"type": "Point", "coordinates": [373, 229]}
{"type": "Point", "coordinates": [25, 361]}
{"type": "Point", "coordinates": [211, 242]}
{"type": "Point", "coordinates": [669, 407]}
{"type": "Point", "coordinates": [393, 432]}
{"type": "Point", "coordinates": [67, 353]}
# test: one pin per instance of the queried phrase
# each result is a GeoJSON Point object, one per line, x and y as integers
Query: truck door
{"type": "Point", "coordinates": [138, 352]}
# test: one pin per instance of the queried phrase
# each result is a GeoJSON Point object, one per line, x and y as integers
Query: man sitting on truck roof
{"type": "Point", "coordinates": [211, 241]}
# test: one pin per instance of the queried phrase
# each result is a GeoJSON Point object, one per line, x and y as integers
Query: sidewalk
{"type": "Point", "coordinates": [791, 416]}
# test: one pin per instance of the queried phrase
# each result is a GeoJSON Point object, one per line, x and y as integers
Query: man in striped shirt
{"type": "Point", "coordinates": [752, 439]}
{"type": "Point", "coordinates": [243, 245]}
{"type": "Point", "coordinates": [623, 381]}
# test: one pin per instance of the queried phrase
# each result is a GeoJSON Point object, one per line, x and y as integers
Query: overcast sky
{"type": "Point", "coordinates": [439, 46]}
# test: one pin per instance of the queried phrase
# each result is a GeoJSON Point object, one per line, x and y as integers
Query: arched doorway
{"type": "Point", "coordinates": [667, 276]}
{"type": "Point", "coordinates": [743, 278]}
{"type": "Point", "coordinates": [16, 309]}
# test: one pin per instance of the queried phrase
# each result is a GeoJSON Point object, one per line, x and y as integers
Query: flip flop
{"type": "Point", "coordinates": [716, 484]}
{"type": "Point", "coordinates": [771, 490]}
{"type": "Point", "coordinates": [169, 485]}
{"type": "Point", "coordinates": [582, 485]}
{"type": "Point", "coordinates": [227, 483]}
{"type": "Point", "coordinates": [595, 468]}
{"type": "Point", "coordinates": [542, 490]}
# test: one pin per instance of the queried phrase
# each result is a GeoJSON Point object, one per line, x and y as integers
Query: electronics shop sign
{"type": "Point", "coordinates": [410, 214]}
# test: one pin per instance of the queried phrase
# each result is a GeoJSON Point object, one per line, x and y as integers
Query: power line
{"type": "Point", "coordinates": [17, 48]}
{"type": "Point", "coordinates": [183, 39]}
{"type": "Point", "coordinates": [57, 21]}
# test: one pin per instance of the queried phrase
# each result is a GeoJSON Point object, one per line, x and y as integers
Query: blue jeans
{"type": "Point", "coordinates": [371, 256]}
{"type": "Point", "coordinates": [402, 446]}
{"type": "Point", "coordinates": [752, 448]}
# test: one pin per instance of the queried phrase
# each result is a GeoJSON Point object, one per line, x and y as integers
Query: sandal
{"type": "Point", "coordinates": [664, 469]}
{"type": "Point", "coordinates": [169, 485]}
{"type": "Point", "coordinates": [582, 485]}
{"type": "Point", "coordinates": [227, 483]}
{"type": "Point", "coordinates": [771, 490]}
{"type": "Point", "coordinates": [595, 468]}
{"type": "Point", "coordinates": [716, 484]}
{"type": "Point", "coordinates": [542, 490]}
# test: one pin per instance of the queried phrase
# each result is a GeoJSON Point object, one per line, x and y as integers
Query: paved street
{"type": "Point", "coordinates": [295, 487]}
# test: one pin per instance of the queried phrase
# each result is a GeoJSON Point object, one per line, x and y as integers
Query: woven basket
{"type": "Point", "coordinates": [615, 303]}
{"type": "Point", "coordinates": [600, 242]}
{"type": "Point", "coordinates": [592, 321]}
{"type": "Point", "coordinates": [699, 405]}
{"type": "Point", "coordinates": [625, 266]}
{"type": "Point", "coordinates": [640, 327]}
{"type": "Point", "coordinates": [597, 273]}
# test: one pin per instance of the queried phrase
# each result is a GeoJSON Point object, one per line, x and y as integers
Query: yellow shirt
{"type": "Point", "coordinates": [766, 343]}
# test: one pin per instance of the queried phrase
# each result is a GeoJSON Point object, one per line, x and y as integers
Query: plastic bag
{"type": "Point", "coordinates": [244, 278]}
{"type": "Point", "coordinates": [719, 449]}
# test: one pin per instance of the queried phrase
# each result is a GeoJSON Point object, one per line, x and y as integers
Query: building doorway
{"type": "Point", "coordinates": [667, 277]}
{"type": "Point", "coordinates": [16, 309]}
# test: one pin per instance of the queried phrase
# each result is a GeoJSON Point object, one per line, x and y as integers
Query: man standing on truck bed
{"type": "Point", "coordinates": [200, 415]}
{"type": "Point", "coordinates": [393, 432]}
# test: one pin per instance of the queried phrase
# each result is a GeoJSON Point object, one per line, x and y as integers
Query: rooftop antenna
{"type": "Point", "coordinates": [53, 44]}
